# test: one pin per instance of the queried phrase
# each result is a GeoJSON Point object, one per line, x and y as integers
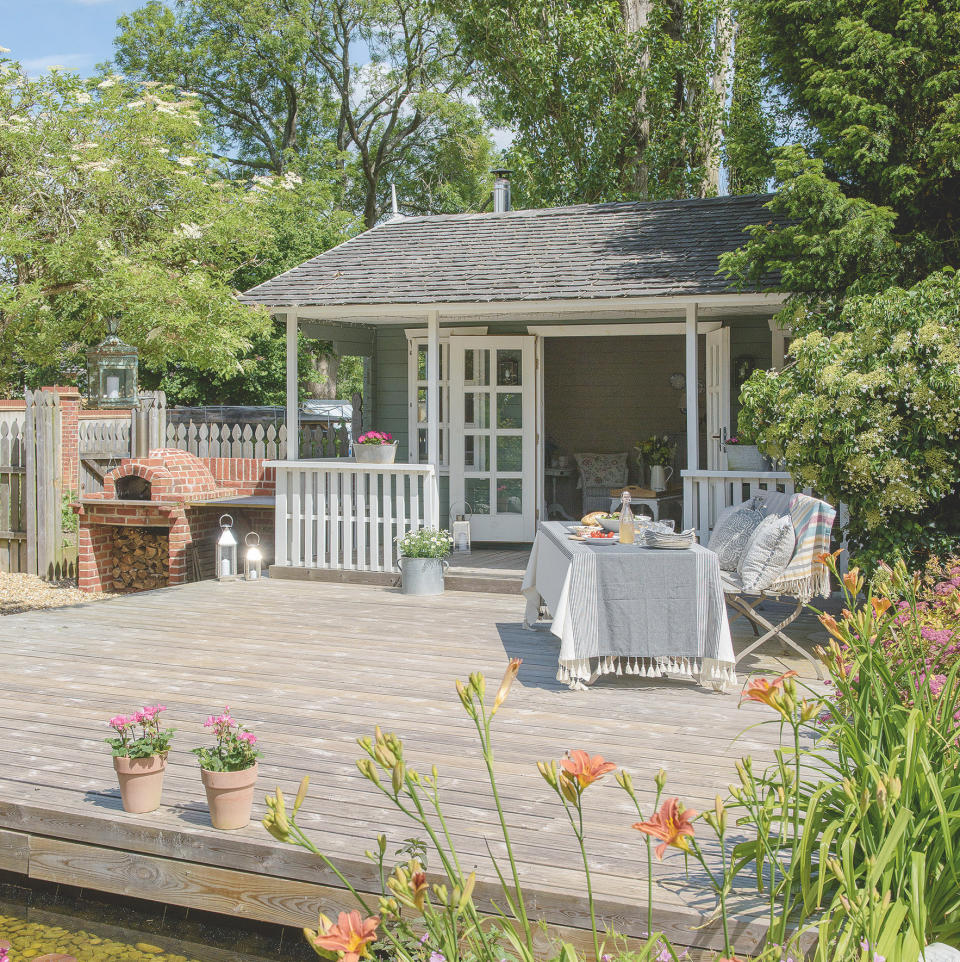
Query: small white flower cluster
{"type": "Point", "coordinates": [425, 543]}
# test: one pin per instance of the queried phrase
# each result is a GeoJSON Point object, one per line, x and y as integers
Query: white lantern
{"type": "Point", "coordinates": [460, 530]}
{"type": "Point", "coordinates": [253, 562]}
{"type": "Point", "coordinates": [226, 550]}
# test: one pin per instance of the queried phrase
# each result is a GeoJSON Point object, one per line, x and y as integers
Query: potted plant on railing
{"type": "Point", "coordinates": [422, 560]}
{"type": "Point", "coordinates": [229, 771]}
{"type": "Point", "coordinates": [657, 453]}
{"type": "Point", "coordinates": [742, 451]}
{"type": "Point", "coordinates": [140, 750]}
{"type": "Point", "coordinates": [375, 447]}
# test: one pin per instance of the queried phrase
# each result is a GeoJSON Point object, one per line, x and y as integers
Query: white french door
{"type": "Point", "coordinates": [493, 435]}
{"type": "Point", "coordinates": [718, 396]}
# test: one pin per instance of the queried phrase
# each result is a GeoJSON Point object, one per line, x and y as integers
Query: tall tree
{"type": "Point", "coordinates": [366, 85]}
{"type": "Point", "coordinates": [610, 100]}
{"type": "Point", "coordinates": [864, 236]}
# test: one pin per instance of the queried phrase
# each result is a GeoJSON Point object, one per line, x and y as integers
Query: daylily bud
{"type": "Point", "coordinates": [549, 772]}
{"type": "Point", "coordinates": [301, 793]}
{"type": "Point", "coordinates": [368, 770]}
{"type": "Point", "coordinates": [478, 683]}
{"type": "Point", "coordinates": [568, 788]}
{"type": "Point", "coordinates": [466, 698]}
{"type": "Point", "coordinates": [382, 843]}
{"type": "Point", "coordinates": [660, 779]}
{"type": "Point", "coordinates": [467, 892]}
{"type": "Point", "coordinates": [440, 891]}
{"type": "Point", "coordinates": [397, 780]}
{"type": "Point", "coordinates": [808, 710]}
{"type": "Point", "coordinates": [721, 811]}
{"type": "Point", "coordinates": [513, 666]}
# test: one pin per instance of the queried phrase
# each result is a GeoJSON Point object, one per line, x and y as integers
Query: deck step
{"type": "Point", "coordinates": [488, 580]}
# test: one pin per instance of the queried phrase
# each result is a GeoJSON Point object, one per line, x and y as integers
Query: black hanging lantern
{"type": "Point", "coordinates": [112, 372]}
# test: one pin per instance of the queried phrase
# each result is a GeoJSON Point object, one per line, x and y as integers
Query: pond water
{"type": "Point", "coordinates": [37, 919]}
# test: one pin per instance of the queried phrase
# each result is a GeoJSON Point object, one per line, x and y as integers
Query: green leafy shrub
{"type": "Point", "coordinates": [868, 414]}
{"type": "Point", "coordinates": [425, 543]}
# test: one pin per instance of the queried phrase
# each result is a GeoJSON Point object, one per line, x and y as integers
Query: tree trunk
{"type": "Point", "coordinates": [723, 51]}
{"type": "Point", "coordinates": [322, 383]}
{"type": "Point", "coordinates": [636, 14]}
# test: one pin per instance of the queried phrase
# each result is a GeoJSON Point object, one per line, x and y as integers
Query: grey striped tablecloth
{"type": "Point", "coordinates": [626, 609]}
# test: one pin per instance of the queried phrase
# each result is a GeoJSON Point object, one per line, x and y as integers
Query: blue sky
{"type": "Point", "coordinates": [76, 34]}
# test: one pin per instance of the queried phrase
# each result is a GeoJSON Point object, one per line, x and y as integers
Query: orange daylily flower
{"type": "Point", "coordinates": [766, 692]}
{"type": "Point", "coordinates": [580, 767]}
{"type": "Point", "coordinates": [350, 936]}
{"type": "Point", "coordinates": [671, 825]}
{"type": "Point", "coordinates": [825, 556]}
{"type": "Point", "coordinates": [508, 677]}
{"type": "Point", "coordinates": [880, 606]}
{"type": "Point", "coordinates": [830, 623]}
{"type": "Point", "coordinates": [852, 581]}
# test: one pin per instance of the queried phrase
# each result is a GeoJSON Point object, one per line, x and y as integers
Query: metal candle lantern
{"type": "Point", "coordinates": [112, 371]}
{"type": "Point", "coordinates": [226, 550]}
{"type": "Point", "coordinates": [253, 562]}
{"type": "Point", "coordinates": [460, 530]}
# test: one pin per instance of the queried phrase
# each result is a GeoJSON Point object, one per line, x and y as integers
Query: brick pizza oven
{"type": "Point", "coordinates": [155, 521]}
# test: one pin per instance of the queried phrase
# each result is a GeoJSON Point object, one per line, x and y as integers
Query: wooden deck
{"type": "Point", "coordinates": [312, 666]}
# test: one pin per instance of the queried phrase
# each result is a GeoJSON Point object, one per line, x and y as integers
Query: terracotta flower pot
{"type": "Point", "coordinates": [229, 796]}
{"type": "Point", "coordinates": [141, 782]}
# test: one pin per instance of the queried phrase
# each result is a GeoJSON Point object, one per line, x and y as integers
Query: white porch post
{"type": "Point", "coordinates": [693, 394]}
{"type": "Point", "coordinates": [433, 404]}
{"type": "Point", "coordinates": [293, 398]}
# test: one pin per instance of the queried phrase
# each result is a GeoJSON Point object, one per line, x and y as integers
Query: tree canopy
{"type": "Point", "coordinates": [372, 90]}
{"type": "Point", "coordinates": [110, 206]}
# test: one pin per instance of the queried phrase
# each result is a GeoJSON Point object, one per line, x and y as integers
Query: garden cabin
{"type": "Point", "coordinates": [501, 346]}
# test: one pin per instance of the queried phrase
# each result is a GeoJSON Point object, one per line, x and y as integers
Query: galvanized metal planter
{"type": "Point", "coordinates": [422, 576]}
{"type": "Point", "coordinates": [375, 453]}
{"type": "Point", "coordinates": [744, 457]}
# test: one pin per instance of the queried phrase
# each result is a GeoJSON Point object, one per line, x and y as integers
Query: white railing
{"type": "Point", "coordinates": [336, 513]}
{"type": "Point", "coordinates": [707, 493]}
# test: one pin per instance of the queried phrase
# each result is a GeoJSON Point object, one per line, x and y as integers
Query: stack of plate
{"type": "Point", "coordinates": [655, 537]}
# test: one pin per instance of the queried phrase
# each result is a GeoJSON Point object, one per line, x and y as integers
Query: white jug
{"type": "Point", "coordinates": [659, 476]}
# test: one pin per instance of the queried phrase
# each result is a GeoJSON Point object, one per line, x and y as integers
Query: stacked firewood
{"type": "Point", "coordinates": [141, 559]}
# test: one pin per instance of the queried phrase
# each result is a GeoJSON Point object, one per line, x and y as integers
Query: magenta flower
{"type": "Point", "coordinates": [248, 737]}
{"type": "Point", "coordinates": [118, 722]}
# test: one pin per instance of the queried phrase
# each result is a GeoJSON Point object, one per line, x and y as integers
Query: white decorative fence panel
{"type": "Point", "coordinates": [104, 437]}
{"type": "Point", "coordinates": [347, 516]}
{"type": "Point", "coordinates": [707, 493]}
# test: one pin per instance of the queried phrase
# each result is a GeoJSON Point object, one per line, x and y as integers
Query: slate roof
{"type": "Point", "coordinates": [588, 251]}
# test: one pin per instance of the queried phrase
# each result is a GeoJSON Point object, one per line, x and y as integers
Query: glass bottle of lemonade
{"type": "Point", "coordinates": [627, 525]}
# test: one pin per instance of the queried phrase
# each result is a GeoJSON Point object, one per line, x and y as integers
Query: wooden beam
{"type": "Point", "coordinates": [619, 330]}
{"type": "Point", "coordinates": [693, 392]}
{"type": "Point", "coordinates": [293, 388]}
{"type": "Point", "coordinates": [14, 852]}
{"type": "Point", "coordinates": [433, 390]}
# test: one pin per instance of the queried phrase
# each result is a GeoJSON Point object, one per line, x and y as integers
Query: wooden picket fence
{"type": "Point", "coordinates": [229, 440]}
{"type": "Point", "coordinates": [13, 477]}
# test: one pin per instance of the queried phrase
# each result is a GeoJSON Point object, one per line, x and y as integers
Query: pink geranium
{"type": "Point", "coordinates": [375, 437]}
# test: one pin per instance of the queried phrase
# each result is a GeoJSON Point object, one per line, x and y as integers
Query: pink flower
{"type": "Point", "coordinates": [138, 717]}
{"type": "Point", "coordinates": [119, 722]}
{"type": "Point", "coordinates": [248, 737]}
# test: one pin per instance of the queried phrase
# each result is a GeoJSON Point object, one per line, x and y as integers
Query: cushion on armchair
{"type": "Point", "coordinates": [602, 470]}
{"type": "Point", "coordinates": [768, 553]}
{"type": "Point", "coordinates": [732, 532]}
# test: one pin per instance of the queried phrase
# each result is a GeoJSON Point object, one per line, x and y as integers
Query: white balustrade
{"type": "Point", "coordinates": [336, 513]}
{"type": "Point", "coordinates": [707, 493]}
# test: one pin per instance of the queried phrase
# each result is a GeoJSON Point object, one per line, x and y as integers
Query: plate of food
{"type": "Point", "coordinates": [595, 535]}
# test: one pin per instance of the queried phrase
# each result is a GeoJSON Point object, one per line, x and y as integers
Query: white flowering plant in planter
{"type": "Point", "coordinates": [425, 543]}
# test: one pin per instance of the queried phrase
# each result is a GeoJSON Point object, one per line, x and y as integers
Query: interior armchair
{"type": "Point", "coordinates": [597, 474]}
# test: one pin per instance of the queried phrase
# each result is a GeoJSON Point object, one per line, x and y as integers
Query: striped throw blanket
{"type": "Point", "coordinates": [805, 577]}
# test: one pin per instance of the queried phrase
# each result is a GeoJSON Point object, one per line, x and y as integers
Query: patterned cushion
{"type": "Point", "coordinates": [602, 470]}
{"type": "Point", "coordinates": [732, 532]}
{"type": "Point", "coordinates": [768, 553]}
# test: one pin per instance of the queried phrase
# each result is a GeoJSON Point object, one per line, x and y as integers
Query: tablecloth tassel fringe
{"type": "Point", "coordinates": [619, 666]}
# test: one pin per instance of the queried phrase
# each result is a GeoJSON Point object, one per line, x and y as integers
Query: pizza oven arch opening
{"type": "Point", "coordinates": [132, 488]}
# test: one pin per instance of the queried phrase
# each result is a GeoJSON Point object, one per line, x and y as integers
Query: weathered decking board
{"type": "Point", "coordinates": [311, 667]}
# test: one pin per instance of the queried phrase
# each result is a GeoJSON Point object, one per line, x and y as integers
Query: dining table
{"type": "Point", "coordinates": [629, 609]}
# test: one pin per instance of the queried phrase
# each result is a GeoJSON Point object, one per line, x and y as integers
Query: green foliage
{"type": "Point", "coordinates": [108, 206]}
{"type": "Point", "coordinates": [868, 414]}
{"type": "Point", "coordinates": [609, 101]}
{"type": "Point", "coordinates": [876, 815]}
{"type": "Point", "coordinates": [280, 86]}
